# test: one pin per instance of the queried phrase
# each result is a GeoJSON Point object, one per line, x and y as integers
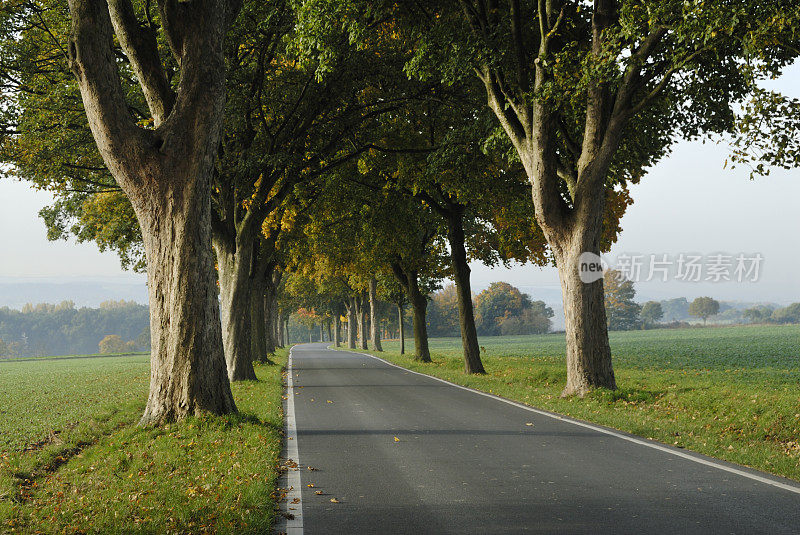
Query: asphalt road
{"type": "Point", "coordinates": [405, 453]}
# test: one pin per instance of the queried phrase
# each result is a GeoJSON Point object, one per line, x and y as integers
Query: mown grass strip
{"type": "Point", "coordinates": [201, 475]}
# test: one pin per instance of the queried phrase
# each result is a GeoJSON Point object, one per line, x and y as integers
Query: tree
{"type": "Point", "coordinates": [504, 309]}
{"type": "Point", "coordinates": [651, 312]}
{"type": "Point", "coordinates": [588, 97]}
{"type": "Point", "coordinates": [788, 314]}
{"type": "Point", "coordinates": [758, 313]}
{"type": "Point", "coordinates": [622, 312]}
{"type": "Point", "coordinates": [703, 307]}
{"type": "Point", "coordinates": [165, 171]}
{"type": "Point", "coordinates": [497, 303]}
{"type": "Point", "coordinates": [111, 344]}
{"type": "Point", "coordinates": [675, 309]}
{"type": "Point", "coordinates": [443, 312]}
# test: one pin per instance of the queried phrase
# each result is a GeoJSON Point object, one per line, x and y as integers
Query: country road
{"type": "Point", "coordinates": [397, 452]}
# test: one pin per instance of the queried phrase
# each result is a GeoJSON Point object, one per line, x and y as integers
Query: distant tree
{"type": "Point", "coordinates": [143, 340]}
{"type": "Point", "coordinates": [498, 302]}
{"type": "Point", "coordinates": [704, 307]}
{"type": "Point", "coordinates": [113, 343]}
{"type": "Point", "coordinates": [4, 349]}
{"type": "Point", "coordinates": [651, 312]}
{"type": "Point", "coordinates": [533, 320]}
{"type": "Point", "coordinates": [675, 309]}
{"type": "Point", "coordinates": [789, 314]}
{"type": "Point", "coordinates": [758, 313]}
{"type": "Point", "coordinates": [622, 313]}
{"type": "Point", "coordinates": [443, 312]}
{"type": "Point", "coordinates": [504, 309]}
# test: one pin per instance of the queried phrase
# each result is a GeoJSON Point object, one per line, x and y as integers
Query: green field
{"type": "Point", "coordinates": [73, 460]}
{"type": "Point", "coordinates": [732, 392]}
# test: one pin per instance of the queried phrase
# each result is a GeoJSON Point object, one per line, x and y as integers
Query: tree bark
{"type": "Point", "coordinates": [166, 174]}
{"type": "Point", "coordinates": [258, 321]}
{"type": "Point", "coordinates": [571, 233]}
{"type": "Point", "coordinates": [336, 330]}
{"type": "Point", "coordinates": [361, 308]}
{"type": "Point", "coordinates": [375, 333]}
{"type": "Point", "coordinates": [461, 276]}
{"type": "Point", "coordinates": [351, 323]}
{"type": "Point", "coordinates": [402, 329]}
{"type": "Point", "coordinates": [269, 322]}
{"type": "Point", "coordinates": [420, 305]}
{"type": "Point", "coordinates": [234, 259]}
{"type": "Point", "coordinates": [588, 352]}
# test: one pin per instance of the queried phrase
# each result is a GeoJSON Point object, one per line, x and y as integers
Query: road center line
{"type": "Point", "coordinates": [294, 519]}
{"type": "Point", "coordinates": [653, 445]}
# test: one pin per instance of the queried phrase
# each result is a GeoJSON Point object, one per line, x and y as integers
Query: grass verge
{"type": "Point", "coordinates": [106, 475]}
{"type": "Point", "coordinates": [742, 411]}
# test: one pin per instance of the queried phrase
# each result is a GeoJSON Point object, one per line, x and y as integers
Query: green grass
{"type": "Point", "coordinates": [73, 460]}
{"type": "Point", "coordinates": [732, 393]}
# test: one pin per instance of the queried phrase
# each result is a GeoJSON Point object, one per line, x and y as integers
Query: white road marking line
{"type": "Point", "coordinates": [767, 481]}
{"type": "Point", "coordinates": [294, 526]}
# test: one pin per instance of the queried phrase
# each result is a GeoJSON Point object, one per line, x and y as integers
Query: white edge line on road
{"type": "Point", "coordinates": [294, 524]}
{"type": "Point", "coordinates": [641, 442]}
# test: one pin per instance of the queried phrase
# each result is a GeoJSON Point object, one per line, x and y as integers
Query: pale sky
{"type": "Point", "coordinates": [688, 204]}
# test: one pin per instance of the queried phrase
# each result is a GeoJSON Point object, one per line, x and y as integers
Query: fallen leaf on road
{"type": "Point", "coordinates": [310, 468]}
{"type": "Point", "coordinates": [310, 485]}
{"type": "Point", "coordinates": [318, 492]}
{"type": "Point", "coordinates": [329, 401]}
{"type": "Point", "coordinates": [529, 423]}
{"type": "Point", "coordinates": [334, 500]}
{"type": "Point", "coordinates": [396, 439]}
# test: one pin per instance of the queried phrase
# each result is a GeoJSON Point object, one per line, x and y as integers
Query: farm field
{"type": "Point", "coordinates": [732, 392]}
{"type": "Point", "coordinates": [73, 460]}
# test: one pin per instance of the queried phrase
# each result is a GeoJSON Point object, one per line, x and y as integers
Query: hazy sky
{"type": "Point", "coordinates": [688, 204]}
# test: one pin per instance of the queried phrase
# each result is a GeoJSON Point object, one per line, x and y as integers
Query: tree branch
{"type": "Point", "coordinates": [139, 44]}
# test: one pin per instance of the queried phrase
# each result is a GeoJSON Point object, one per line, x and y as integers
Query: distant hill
{"type": "Point", "coordinates": [16, 292]}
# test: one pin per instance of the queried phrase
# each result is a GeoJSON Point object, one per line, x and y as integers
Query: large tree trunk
{"type": "Point", "coordinates": [351, 323]}
{"type": "Point", "coordinates": [375, 333]}
{"type": "Point", "coordinates": [336, 330]}
{"type": "Point", "coordinates": [419, 303]}
{"type": "Point", "coordinates": [588, 352]}
{"type": "Point", "coordinates": [461, 276]}
{"type": "Point", "coordinates": [234, 258]}
{"type": "Point", "coordinates": [270, 315]}
{"type": "Point", "coordinates": [361, 307]}
{"type": "Point", "coordinates": [166, 174]}
{"type": "Point", "coordinates": [187, 365]}
{"type": "Point", "coordinates": [570, 233]}
{"type": "Point", "coordinates": [402, 329]}
{"type": "Point", "coordinates": [258, 320]}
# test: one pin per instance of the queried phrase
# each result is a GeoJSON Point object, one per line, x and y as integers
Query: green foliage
{"type": "Point", "coordinates": [46, 329]}
{"type": "Point", "coordinates": [622, 313]}
{"type": "Point", "coordinates": [758, 314]}
{"type": "Point", "coordinates": [725, 392]}
{"type": "Point", "coordinates": [651, 312]}
{"type": "Point", "coordinates": [49, 142]}
{"type": "Point", "coordinates": [789, 314]}
{"type": "Point", "coordinates": [675, 309]}
{"type": "Point", "coordinates": [503, 309]}
{"type": "Point", "coordinates": [704, 307]}
{"type": "Point", "coordinates": [443, 312]}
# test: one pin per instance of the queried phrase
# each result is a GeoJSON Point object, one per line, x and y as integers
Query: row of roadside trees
{"type": "Point", "coordinates": [259, 157]}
